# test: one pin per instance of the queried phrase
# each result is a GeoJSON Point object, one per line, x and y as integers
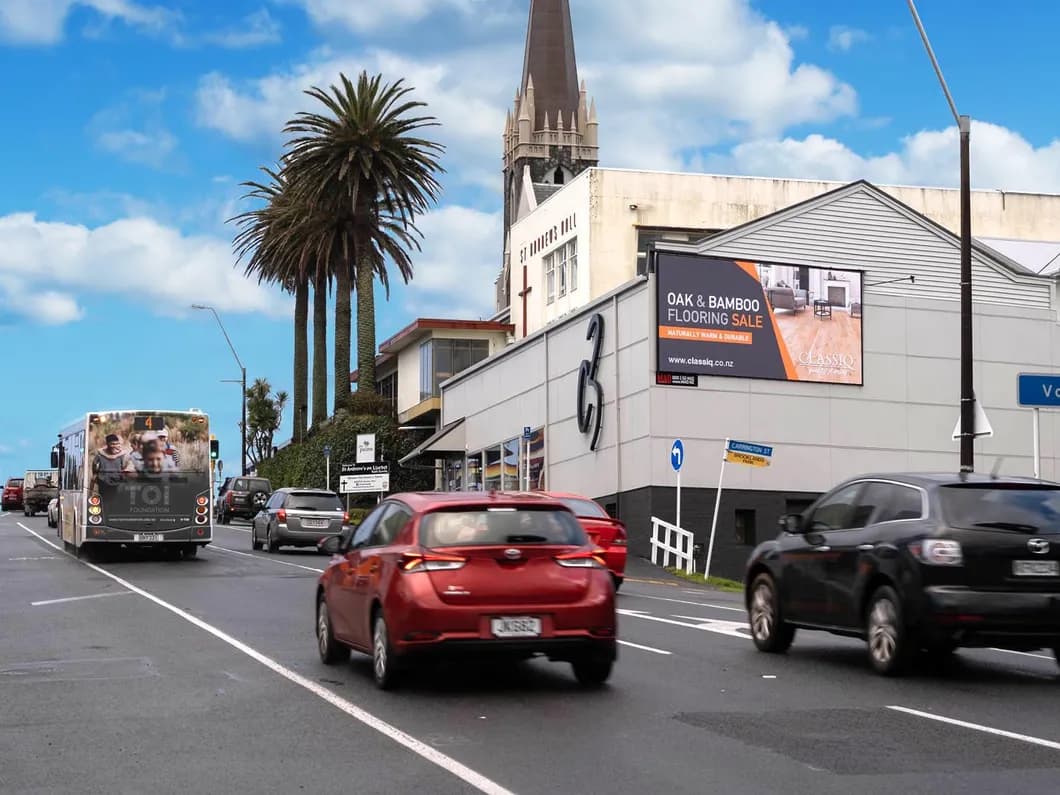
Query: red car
{"type": "Point", "coordinates": [605, 531]}
{"type": "Point", "coordinates": [12, 496]}
{"type": "Point", "coordinates": [457, 573]}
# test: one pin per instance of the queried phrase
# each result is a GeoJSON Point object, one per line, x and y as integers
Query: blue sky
{"type": "Point", "coordinates": [131, 123]}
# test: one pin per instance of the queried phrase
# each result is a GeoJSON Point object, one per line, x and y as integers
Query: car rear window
{"type": "Point", "coordinates": [251, 484]}
{"type": "Point", "coordinates": [14, 482]}
{"type": "Point", "coordinates": [313, 501]}
{"type": "Point", "coordinates": [584, 507]}
{"type": "Point", "coordinates": [489, 526]}
{"type": "Point", "coordinates": [1017, 507]}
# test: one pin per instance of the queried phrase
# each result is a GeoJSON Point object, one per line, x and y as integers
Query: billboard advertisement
{"type": "Point", "coordinates": [746, 319]}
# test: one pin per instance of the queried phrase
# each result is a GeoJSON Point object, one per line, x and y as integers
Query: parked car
{"type": "Point", "coordinates": [297, 518]}
{"type": "Point", "coordinates": [11, 499]}
{"type": "Point", "coordinates": [242, 497]}
{"type": "Point", "coordinates": [462, 573]}
{"type": "Point", "coordinates": [53, 512]}
{"type": "Point", "coordinates": [915, 563]}
{"type": "Point", "coordinates": [38, 488]}
{"type": "Point", "coordinates": [603, 530]}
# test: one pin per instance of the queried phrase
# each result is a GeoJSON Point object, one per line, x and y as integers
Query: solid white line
{"type": "Point", "coordinates": [261, 557]}
{"type": "Point", "coordinates": [684, 602]}
{"type": "Point", "coordinates": [979, 727]}
{"type": "Point", "coordinates": [461, 771]}
{"type": "Point", "coordinates": [79, 598]}
{"type": "Point", "coordinates": [731, 628]}
{"type": "Point", "coordinates": [644, 648]}
{"type": "Point", "coordinates": [1024, 653]}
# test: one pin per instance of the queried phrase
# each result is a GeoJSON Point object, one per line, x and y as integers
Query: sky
{"type": "Point", "coordinates": [132, 124]}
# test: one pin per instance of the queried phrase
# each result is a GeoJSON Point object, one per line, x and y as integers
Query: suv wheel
{"type": "Point", "coordinates": [254, 543]}
{"type": "Point", "coordinates": [768, 631]}
{"type": "Point", "coordinates": [271, 545]}
{"type": "Point", "coordinates": [885, 631]}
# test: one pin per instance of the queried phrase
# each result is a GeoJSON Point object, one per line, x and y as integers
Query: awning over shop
{"type": "Point", "coordinates": [449, 439]}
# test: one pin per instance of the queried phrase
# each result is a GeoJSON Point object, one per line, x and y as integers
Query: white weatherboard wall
{"type": "Point", "coordinates": [501, 396]}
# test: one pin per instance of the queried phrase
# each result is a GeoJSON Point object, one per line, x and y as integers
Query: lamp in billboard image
{"type": "Point", "coordinates": [747, 319]}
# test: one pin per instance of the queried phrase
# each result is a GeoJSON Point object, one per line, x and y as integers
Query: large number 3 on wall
{"type": "Point", "coordinates": [589, 416]}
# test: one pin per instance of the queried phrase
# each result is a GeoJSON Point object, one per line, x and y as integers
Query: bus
{"type": "Point", "coordinates": [136, 478]}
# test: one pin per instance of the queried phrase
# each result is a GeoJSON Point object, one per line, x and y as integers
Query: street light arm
{"type": "Point", "coordinates": [935, 63]}
{"type": "Point", "coordinates": [217, 317]}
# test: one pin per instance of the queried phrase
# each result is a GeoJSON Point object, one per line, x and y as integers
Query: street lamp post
{"type": "Point", "coordinates": [964, 125]}
{"type": "Point", "coordinates": [243, 382]}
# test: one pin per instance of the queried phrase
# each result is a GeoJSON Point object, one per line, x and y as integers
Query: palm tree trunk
{"type": "Point", "coordinates": [342, 335]}
{"type": "Point", "coordinates": [320, 348]}
{"type": "Point", "coordinates": [365, 326]}
{"type": "Point", "coordinates": [301, 358]}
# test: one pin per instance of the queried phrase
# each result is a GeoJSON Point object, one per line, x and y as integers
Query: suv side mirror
{"type": "Point", "coordinates": [330, 545]}
{"type": "Point", "coordinates": [791, 523]}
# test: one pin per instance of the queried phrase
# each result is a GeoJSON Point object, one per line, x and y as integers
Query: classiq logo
{"type": "Point", "coordinates": [829, 361]}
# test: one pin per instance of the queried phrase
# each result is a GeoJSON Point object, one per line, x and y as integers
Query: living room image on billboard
{"type": "Point", "coordinates": [746, 319]}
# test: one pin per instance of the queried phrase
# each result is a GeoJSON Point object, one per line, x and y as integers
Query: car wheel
{"type": "Point", "coordinates": [331, 651]}
{"type": "Point", "coordinates": [254, 543]}
{"type": "Point", "coordinates": [889, 646]}
{"type": "Point", "coordinates": [617, 581]}
{"type": "Point", "coordinates": [271, 545]}
{"type": "Point", "coordinates": [592, 671]}
{"type": "Point", "coordinates": [769, 631]}
{"type": "Point", "coordinates": [384, 669]}
{"type": "Point", "coordinates": [191, 550]}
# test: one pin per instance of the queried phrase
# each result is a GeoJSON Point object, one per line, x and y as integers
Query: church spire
{"type": "Point", "coordinates": [549, 58]}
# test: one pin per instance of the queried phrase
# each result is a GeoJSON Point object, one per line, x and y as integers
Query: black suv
{"type": "Point", "coordinates": [914, 563]}
{"type": "Point", "coordinates": [242, 497]}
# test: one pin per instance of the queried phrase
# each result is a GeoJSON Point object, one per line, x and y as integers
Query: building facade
{"type": "Point", "coordinates": [847, 363]}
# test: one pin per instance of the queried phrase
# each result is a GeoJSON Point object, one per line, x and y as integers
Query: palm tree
{"type": "Point", "coordinates": [362, 168]}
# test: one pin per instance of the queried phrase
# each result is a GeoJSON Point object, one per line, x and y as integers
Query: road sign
{"type": "Point", "coordinates": [677, 455]}
{"type": "Point", "coordinates": [364, 478]}
{"type": "Point", "coordinates": [749, 453]}
{"type": "Point", "coordinates": [981, 427]}
{"type": "Point", "coordinates": [1038, 390]}
{"type": "Point", "coordinates": [527, 432]}
{"type": "Point", "coordinates": [327, 451]}
{"type": "Point", "coordinates": [366, 448]}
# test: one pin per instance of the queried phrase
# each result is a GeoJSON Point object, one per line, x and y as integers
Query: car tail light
{"type": "Point", "coordinates": [281, 515]}
{"type": "Point", "coordinates": [937, 552]}
{"type": "Point", "coordinates": [427, 561]}
{"type": "Point", "coordinates": [345, 517]}
{"type": "Point", "coordinates": [583, 559]}
{"type": "Point", "coordinates": [228, 498]}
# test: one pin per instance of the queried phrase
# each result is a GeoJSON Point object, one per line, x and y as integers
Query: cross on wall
{"type": "Point", "coordinates": [523, 295]}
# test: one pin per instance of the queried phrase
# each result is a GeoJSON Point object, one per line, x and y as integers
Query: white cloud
{"type": "Point", "coordinates": [366, 15]}
{"type": "Point", "coordinates": [842, 38]}
{"type": "Point", "coordinates": [1000, 159]}
{"type": "Point", "coordinates": [42, 21]}
{"type": "Point", "coordinates": [133, 130]}
{"type": "Point", "coordinates": [44, 265]}
{"type": "Point", "coordinates": [149, 148]}
{"type": "Point", "coordinates": [256, 30]}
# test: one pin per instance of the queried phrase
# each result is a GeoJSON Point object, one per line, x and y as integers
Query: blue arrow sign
{"type": "Point", "coordinates": [677, 455]}
{"type": "Point", "coordinates": [750, 447]}
{"type": "Point", "coordinates": [527, 432]}
{"type": "Point", "coordinates": [327, 451]}
{"type": "Point", "coordinates": [1038, 390]}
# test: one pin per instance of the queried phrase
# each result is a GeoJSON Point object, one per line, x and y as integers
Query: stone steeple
{"type": "Point", "coordinates": [550, 135]}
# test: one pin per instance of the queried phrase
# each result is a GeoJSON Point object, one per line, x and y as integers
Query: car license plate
{"type": "Point", "coordinates": [315, 523]}
{"type": "Point", "coordinates": [516, 627]}
{"type": "Point", "coordinates": [147, 537]}
{"type": "Point", "coordinates": [1036, 568]}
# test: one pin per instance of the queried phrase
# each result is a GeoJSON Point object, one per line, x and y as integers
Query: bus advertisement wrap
{"type": "Point", "coordinates": [148, 472]}
{"type": "Point", "coordinates": [742, 319]}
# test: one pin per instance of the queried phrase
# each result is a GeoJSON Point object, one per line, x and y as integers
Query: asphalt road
{"type": "Point", "coordinates": [202, 676]}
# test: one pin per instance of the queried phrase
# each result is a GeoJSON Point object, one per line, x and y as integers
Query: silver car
{"type": "Point", "coordinates": [53, 512]}
{"type": "Point", "coordinates": [297, 518]}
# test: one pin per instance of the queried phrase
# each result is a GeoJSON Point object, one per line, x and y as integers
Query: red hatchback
{"type": "Point", "coordinates": [605, 531]}
{"type": "Point", "coordinates": [12, 496]}
{"type": "Point", "coordinates": [459, 573]}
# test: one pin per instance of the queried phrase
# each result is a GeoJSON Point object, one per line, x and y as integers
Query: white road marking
{"type": "Point", "coordinates": [422, 749]}
{"type": "Point", "coordinates": [979, 727]}
{"type": "Point", "coordinates": [233, 527]}
{"type": "Point", "coordinates": [36, 557]}
{"type": "Point", "coordinates": [685, 602]}
{"type": "Point", "coordinates": [730, 628]}
{"type": "Point", "coordinates": [79, 598]}
{"type": "Point", "coordinates": [644, 648]}
{"type": "Point", "coordinates": [261, 557]}
{"type": "Point", "coordinates": [1025, 653]}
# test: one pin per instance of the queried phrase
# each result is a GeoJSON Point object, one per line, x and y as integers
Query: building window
{"type": "Point", "coordinates": [744, 526]}
{"type": "Point", "coordinates": [511, 469]}
{"type": "Point", "coordinates": [572, 263]}
{"type": "Point", "coordinates": [550, 276]}
{"type": "Point", "coordinates": [387, 387]}
{"type": "Point", "coordinates": [492, 474]}
{"type": "Point", "coordinates": [537, 460]}
{"type": "Point", "coordinates": [473, 479]}
{"type": "Point", "coordinates": [441, 359]}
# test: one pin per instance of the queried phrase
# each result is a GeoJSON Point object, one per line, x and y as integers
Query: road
{"type": "Point", "coordinates": [139, 674]}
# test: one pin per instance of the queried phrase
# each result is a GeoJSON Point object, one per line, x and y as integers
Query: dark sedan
{"type": "Point", "coordinates": [915, 563]}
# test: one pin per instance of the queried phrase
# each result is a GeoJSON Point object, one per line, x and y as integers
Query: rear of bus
{"type": "Point", "coordinates": [147, 480]}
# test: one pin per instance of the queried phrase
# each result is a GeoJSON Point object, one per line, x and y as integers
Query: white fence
{"type": "Point", "coordinates": [674, 541]}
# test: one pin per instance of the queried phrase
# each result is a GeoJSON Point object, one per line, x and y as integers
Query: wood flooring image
{"type": "Point", "coordinates": [824, 345]}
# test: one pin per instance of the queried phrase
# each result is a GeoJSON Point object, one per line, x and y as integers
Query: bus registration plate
{"type": "Point", "coordinates": [147, 537]}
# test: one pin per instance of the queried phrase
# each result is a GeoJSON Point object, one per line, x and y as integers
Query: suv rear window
{"type": "Point", "coordinates": [500, 526]}
{"type": "Point", "coordinates": [1017, 507]}
{"type": "Point", "coordinates": [251, 484]}
{"type": "Point", "coordinates": [312, 501]}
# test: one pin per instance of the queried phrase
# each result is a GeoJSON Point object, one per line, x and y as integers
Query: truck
{"type": "Point", "coordinates": [39, 487]}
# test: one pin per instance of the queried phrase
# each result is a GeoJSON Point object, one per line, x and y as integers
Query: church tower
{"type": "Point", "coordinates": [550, 134]}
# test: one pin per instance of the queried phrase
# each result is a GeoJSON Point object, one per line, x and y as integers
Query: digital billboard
{"type": "Point", "coordinates": [747, 319]}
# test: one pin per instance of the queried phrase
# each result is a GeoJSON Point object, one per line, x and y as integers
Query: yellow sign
{"type": "Point", "coordinates": [734, 457]}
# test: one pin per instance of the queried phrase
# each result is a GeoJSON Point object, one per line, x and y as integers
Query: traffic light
{"type": "Point", "coordinates": [215, 448]}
